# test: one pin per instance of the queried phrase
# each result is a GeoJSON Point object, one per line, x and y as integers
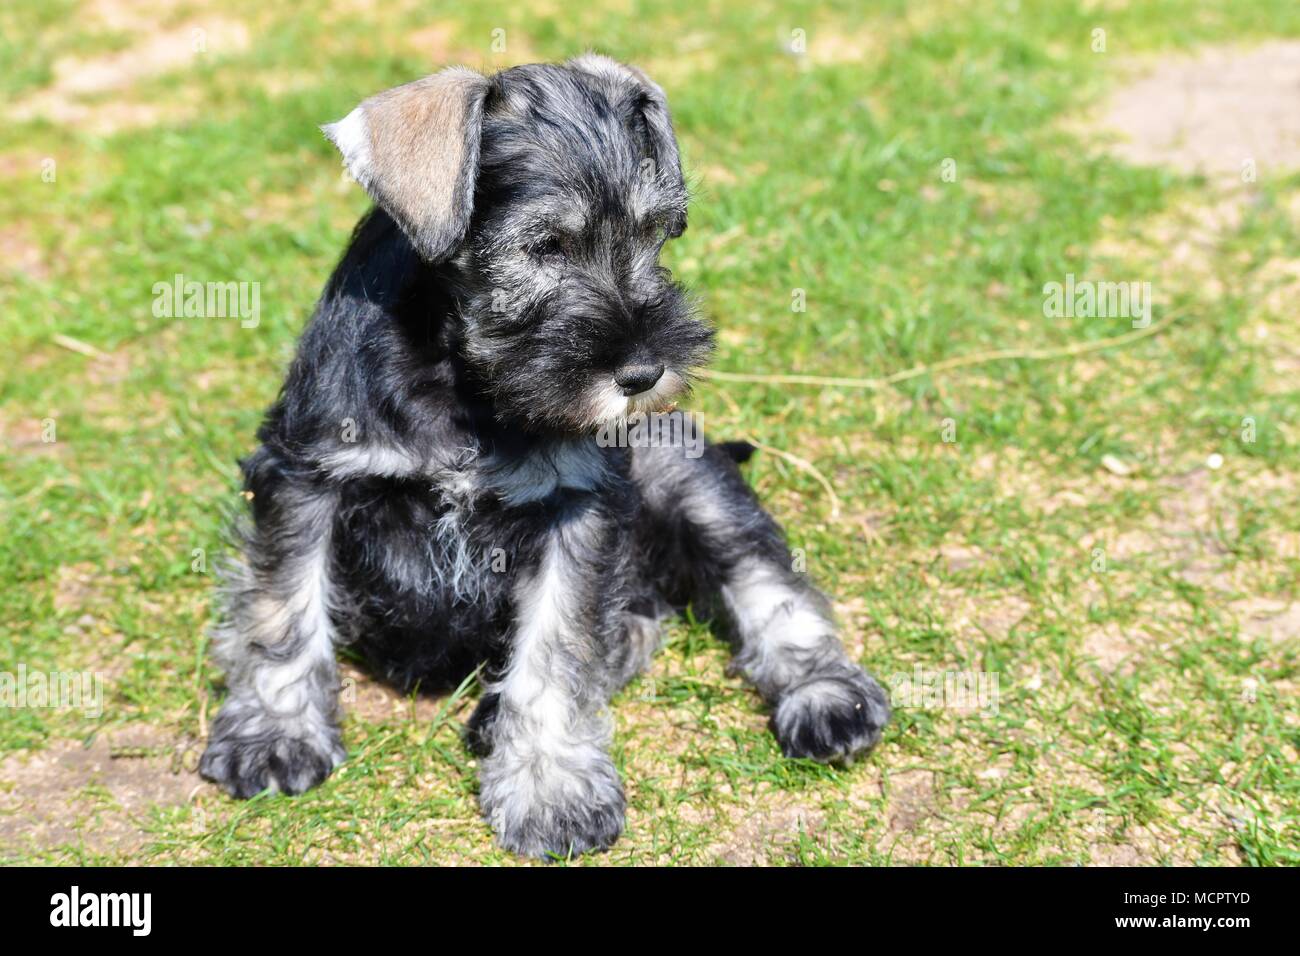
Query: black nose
{"type": "Point", "coordinates": [638, 377]}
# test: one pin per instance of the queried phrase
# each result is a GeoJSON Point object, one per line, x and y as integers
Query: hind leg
{"type": "Point", "coordinates": [278, 728]}
{"type": "Point", "coordinates": [713, 544]}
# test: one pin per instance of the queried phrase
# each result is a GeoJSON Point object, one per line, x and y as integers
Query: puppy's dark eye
{"type": "Point", "coordinates": [549, 248]}
{"type": "Point", "coordinates": [654, 231]}
{"type": "Point", "coordinates": [657, 231]}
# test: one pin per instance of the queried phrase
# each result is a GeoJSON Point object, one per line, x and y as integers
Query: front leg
{"type": "Point", "coordinates": [548, 785]}
{"type": "Point", "coordinates": [278, 728]}
{"type": "Point", "coordinates": [715, 545]}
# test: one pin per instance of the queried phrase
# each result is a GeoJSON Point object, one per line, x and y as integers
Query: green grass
{"type": "Point", "coordinates": [1143, 714]}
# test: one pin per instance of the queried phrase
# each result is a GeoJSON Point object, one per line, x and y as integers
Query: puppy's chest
{"type": "Point", "coordinates": [457, 541]}
{"type": "Point", "coordinates": [501, 506]}
{"type": "Point", "coordinates": [524, 479]}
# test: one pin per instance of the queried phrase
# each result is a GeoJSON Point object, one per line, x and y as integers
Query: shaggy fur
{"type": "Point", "coordinates": [431, 486]}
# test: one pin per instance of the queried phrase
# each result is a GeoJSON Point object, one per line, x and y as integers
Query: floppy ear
{"type": "Point", "coordinates": [654, 107]}
{"type": "Point", "coordinates": [415, 149]}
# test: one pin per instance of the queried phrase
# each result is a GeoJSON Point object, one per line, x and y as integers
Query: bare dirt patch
{"type": "Point", "coordinates": [372, 701]}
{"type": "Point", "coordinates": [767, 831]}
{"type": "Point", "coordinates": [1269, 618]}
{"type": "Point", "coordinates": [95, 797]}
{"type": "Point", "coordinates": [1115, 854]}
{"type": "Point", "coordinates": [20, 164]}
{"type": "Point", "coordinates": [20, 254]}
{"type": "Point", "coordinates": [79, 95]}
{"type": "Point", "coordinates": [435, 42]}
{"type": "Point", "coordinates": [973, 618]}
{"type": "Point", "coordinates": [911, 799]}
{"type": "Point", "coordinates": [957, 557]}
{"type": "Point", "coordinates": [1110, 647]}
{"type": "Point", "coordinates": [1213, 112]}
{"type": "Point", "coordinates": [833, 46]}
{"type": "Point", "coordinates": [128, 15]}
{"type": "Point", "coordinates": [693, 56]}
{"type": "Point", "coordinates": [76, 587]}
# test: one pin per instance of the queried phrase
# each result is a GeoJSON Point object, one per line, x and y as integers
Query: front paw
{"type": "Point", "coordinates": [552, 809]}
{"type": "Point", "coordinates": [832, 717]}
{"type": "Point", "coordinates": [246, 764]}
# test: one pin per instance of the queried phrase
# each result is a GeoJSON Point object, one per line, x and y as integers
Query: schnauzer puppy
{"type": "Point", "coordinates": [432, 488]}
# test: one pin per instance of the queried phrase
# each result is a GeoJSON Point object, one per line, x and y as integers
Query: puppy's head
{"type": "Point", "coordinates": [546, 192]}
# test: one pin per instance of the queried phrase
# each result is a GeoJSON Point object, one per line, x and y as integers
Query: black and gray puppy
{"type": "Point", "coordinates": [431, 486]}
